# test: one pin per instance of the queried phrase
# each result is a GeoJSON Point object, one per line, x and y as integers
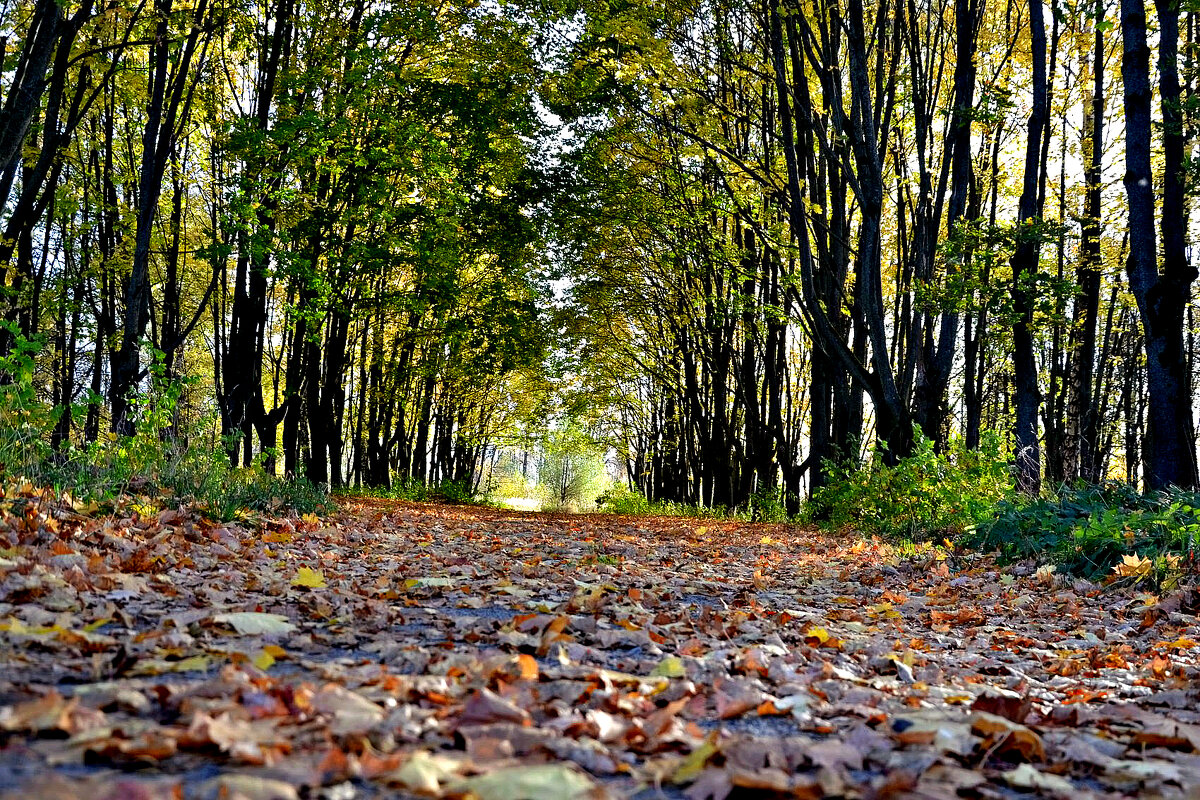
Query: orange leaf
{"type": "Point", "coordinates": [529, 667]}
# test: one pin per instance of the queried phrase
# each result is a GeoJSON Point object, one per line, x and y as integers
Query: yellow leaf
{"type": "Point", "coordinates": [311, 519]}
{"type": "Point", "coordinates": [157, 666]}
{"type": "Point", "coordinates": [312, 578]}
{"type": "Point", "coordinates": [265, 658]}
{"type": "Point", "coordinates": [820, 634]}
{"type": "Point", "coordinates": [694, 764]}
{"type": "Point", "coordinates": [1133, 565]}
{"type": "Point", "coordinates": [669, 667]}
{"type": "Point", "coordinates": [86, 509]}
{"type": "Point", "coordinates": [1182, 643]}
{"type": "Point", "coordinates": [766, 540]}
{"type": "Point", "coordinates": [278, 537]}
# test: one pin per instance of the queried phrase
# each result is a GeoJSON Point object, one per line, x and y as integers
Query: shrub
{"type": "Point", "coordinates": [926, 495]}
{"type": "Point", "coordinates": [623, 500]}
{"type": "Point", "coordinates": [766, 505]}
{"type": "Point", "coordinates": [417, 491]}
{"type": "Point", "coordinates": [26, 423]}
{"type": "Point", "coordinates": [1090, 530]}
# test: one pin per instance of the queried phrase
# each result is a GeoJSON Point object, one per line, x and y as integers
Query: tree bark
{"type": "Point", "coordinates": [1169, 459]}
{"type": "Point", "coordinates": [1025, 267]}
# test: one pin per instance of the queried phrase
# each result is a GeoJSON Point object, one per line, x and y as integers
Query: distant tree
{"type": "Point", "coordinates": [571, 470]}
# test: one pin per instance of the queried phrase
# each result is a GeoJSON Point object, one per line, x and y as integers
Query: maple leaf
{"type": "Point", "coordinates": [309, 578]}
{"type": "Point", "coordinates": [1133, 566]}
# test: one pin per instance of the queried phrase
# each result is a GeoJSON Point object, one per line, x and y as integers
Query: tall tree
{"type": "Point", "coordinates": [170, 92]}
{"type": "Point", "coordinates": [1084, 420]}
{"type": "Point", "coordinates": [1025, 268]}
{"type": "Point", "coordinates": [1161, 296]}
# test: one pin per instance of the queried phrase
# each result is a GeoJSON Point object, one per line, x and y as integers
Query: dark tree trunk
{"type": "Point", "coordinates": [169, 102]}
{"type": "Point", "coordinates": [931, 407]}
{"type": "Point", "coordinates": [1161, 299]}
{"type": "Point", "coordinates": [1025, 267]}
{"type": "Point", "coordinates": [242, 402]}
{"type": "Point", "coordinates": [1082, 414]}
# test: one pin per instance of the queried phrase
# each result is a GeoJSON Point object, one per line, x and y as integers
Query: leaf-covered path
{"type": "Point", "coordinates": [399, 650]}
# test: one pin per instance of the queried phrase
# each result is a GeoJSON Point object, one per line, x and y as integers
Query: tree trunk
{"type": "Point", "coordinates": [1084, 421]}
{"type": "Point", "coordinates": [1161, 299]}
{"type": "Point", "coordinates": [1025, 267]}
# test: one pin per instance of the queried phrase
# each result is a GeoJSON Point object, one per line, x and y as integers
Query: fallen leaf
{"type": "Point", "coordinates": [309, 578]}
{"type": "Point", "coordinates": [540, 782]}
{"type": "Point", "coordinates": [256, 623]}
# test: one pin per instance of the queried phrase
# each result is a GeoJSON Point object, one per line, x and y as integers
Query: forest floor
{"type": "Point", "coordinates": [401, 650]}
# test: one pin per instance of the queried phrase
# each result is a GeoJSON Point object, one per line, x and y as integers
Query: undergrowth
{"type": "Point", "coordinates": [171, 457]}
{"type": "Point", "coordinates": [928, 495]}
{"type": "Point", "coordinates": [623, 500]}
{"type": "Point", "coordinates": [417, 491]}
{"type": "Point", "coordinates": [1097, 531]}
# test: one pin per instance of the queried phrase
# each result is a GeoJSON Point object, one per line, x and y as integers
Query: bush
{"type": "Point", "coordinates": [766, 505]}
{"type": "Point", "coordinates": [927, 495]}
{"type": "Point", "coordinates": [623, 500]}
{"type": "Point", "coordinates": [258, 490]}
{"type": "Point", "coordinates": [1090, 530]}
{"type": "Point", "coordinates": [26, 424]}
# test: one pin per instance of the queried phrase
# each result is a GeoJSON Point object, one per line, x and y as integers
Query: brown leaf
{"type": "Point", "coordinates": [485, 706]}
{"type": "Point", "coordinates": [1008, 738]}
{"type": "Point", "coordinates": [735, 697]}
{"type": "Point", "coordinates": [51, 712]}
{"type": "Point", "coordinates": [1004, 703]}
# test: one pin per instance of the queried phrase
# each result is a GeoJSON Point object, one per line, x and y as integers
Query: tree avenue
{"type": "Point", "coordinates": [735, 248]}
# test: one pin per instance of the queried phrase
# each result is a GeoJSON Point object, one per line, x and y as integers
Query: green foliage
{"type": "Point", "coordinates": [442, 491]}
{"type": "Point", "coordinates": [767, 506]}
{"type": "Point", "coordinates": [25, 423]}
{"type": "Point", "coordinates": [172, 457]}
{"type": "Point", "coordinates": [1089, 530]}
{"type": "Point", "coordinates": [623, 500]}
{"type": "Point", "coordinates": [417, 491]}
{"type": "Point", "coordinates": [258, 490]}
{"type": "Point", "coordinates": [927, 495]}
{"type": "Point", "coordinates": [571, 471]}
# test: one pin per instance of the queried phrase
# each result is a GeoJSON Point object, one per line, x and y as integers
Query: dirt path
{"type": "Point", "coordinates": [399, 650]}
